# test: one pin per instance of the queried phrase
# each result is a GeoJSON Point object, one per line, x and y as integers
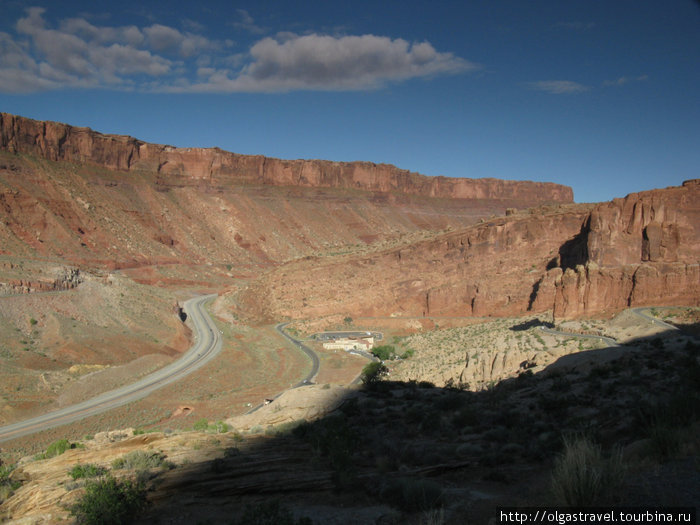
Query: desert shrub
{"type": "Point", "coordinates": [269, 513]}
{"type": "Point", "coordinates": [583, 477]}
{"type": "Point", "coordinates": [384, 352]}
{"type": "Point", "coordinates": [141, 460]}
{"type": "Point", "coordinates": [7, 485]}
{"type": "Point", "coordinates": [373, 372]}
{"type": "Point", "coordinates": [57, 448]}
{"type": "Point", "coordinates": [408, 353]}
{"type": "Point", "coordinates": [219, 427]}
{"type": "Point", "coordinates": [108, 501]}
{"type": "Point", "coordinates": [89, 470]}
{"type": "Point", "coordinates": [232, 452]}
{"type": "Point", "coordinates": [433, 517]}
{"type": "Point", "coordinates": [201, 425]}
{"type": "Point", "coordinates": [413, 495]}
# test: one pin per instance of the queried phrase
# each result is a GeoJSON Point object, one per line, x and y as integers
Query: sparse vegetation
{"type": "Point", "coordinates": [140, 460]}
{"type": "Point", "coordinates": [218, 427]}
{"type": "Point", "coordinates": [583, 477]}
{"type": "Point", "coordinates": [89, 470]}
{"type": "Point", "coordinates": [57, 448]}
{"type": "Point", "coordinates": [7, 485]}
{"type": "Point", "coordinates": [108, 501]}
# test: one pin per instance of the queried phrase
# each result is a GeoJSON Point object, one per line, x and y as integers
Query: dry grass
{"type": "Point", "coordinates": [582, 476]}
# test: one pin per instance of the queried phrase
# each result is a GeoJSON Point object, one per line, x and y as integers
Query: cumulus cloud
{"type": "Point", "coordinates": [78, 53]}
{"type": "Point", "coordinates": [558, 87]}
{"type": "Point", "coordinates": [320, 62]}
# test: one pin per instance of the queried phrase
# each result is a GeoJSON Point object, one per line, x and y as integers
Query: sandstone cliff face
{"type": "Point", "coordinates": [494, 268]}
{"type": "Point", "coordinates": [575, 260]}
{"type": "Point", "coordinates": [637, 251]}
{"type": "Point", "coordinates": [55, 141]}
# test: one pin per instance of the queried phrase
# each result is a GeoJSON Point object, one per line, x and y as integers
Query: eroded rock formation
{"type": "Point", "coordinates": [640, 250]}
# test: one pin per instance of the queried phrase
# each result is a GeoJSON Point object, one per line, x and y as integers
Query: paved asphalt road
{"type": "Point", "coordinates": [639, 312]}
{"type": "Point", "coordinates": [601, 338]}
{"type": "Point", "coordinates": [315, 363]}
{"type": "Point", "coordinates": [207, 345]}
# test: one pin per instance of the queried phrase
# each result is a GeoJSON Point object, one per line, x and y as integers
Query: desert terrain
{"type": "Point", "coordinates": [523, 325]}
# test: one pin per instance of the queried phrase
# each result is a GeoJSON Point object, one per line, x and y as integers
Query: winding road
{"type": "Point", "coordinates": [206, 346]}
{"type": "Point", "coordinates": [315, 363]}
{"type": "Point", "coordinates": [639, 312]}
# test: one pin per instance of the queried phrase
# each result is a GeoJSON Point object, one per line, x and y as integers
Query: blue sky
{"type": "Point", "coordinates": [601, 95]}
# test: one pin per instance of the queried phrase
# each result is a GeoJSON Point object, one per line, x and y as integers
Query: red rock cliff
{"type": "Point", "coordinates": [61, 142]}
{"type": "Point", "coordinates": [577, 260]}
{"type": "Point", "coordinates": [638, 251]}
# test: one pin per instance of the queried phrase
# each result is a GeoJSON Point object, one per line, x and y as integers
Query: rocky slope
{"type": "Point", "coordinates": [574, 260]}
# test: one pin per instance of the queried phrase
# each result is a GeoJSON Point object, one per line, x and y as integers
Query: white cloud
{"type": "Point", "coordinates": [321, 62]}
{"type": "Point", "coordinates": [247, 23]}
{"type": "Point", "coordinates": [79, 53]}
{"type": "Point", "coordinates": [558, 87]}
{"type": "Point", "coordinates": [621, 81]}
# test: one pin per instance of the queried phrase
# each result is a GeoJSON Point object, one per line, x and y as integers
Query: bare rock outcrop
{"type": "Point", "coordinates": [637, 251]}
{"type": "Point", "coordinates": [575, 260]}
{"type": "Point", "coordinates": [492, 269]}
{"type": "Point", "coordinates": [56, 141]}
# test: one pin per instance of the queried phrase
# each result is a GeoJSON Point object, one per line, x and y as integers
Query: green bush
{"type": "Point", "coordinates": [89, 470]}
{"type": "Point", "coordinates": [373, 372]}
{"type": "Point", "coordinates": [384, 352]}
{"type": "Point", "coordinates": [141, 460]}
{"type": "Point", "coordinates": [7, 486]}
{"type": "Point", "coordinates": [201, 425]}
{"type": "Point", "coordinates": [108, 501]}
{"type": "Point", "coordinates": [57, 448]}
{"type": "Point", "coordinates": [215, 428]}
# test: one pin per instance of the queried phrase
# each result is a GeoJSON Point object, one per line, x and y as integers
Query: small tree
{"type": "Point", "coordinates": [384, 352]}
{"type": "Point", "coordinates": [373, 372]}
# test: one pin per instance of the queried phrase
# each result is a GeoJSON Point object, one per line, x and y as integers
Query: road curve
{"type": "Point", "coordinates": [315, 363]}
{"type": "Point", "coordinates": [207, 345]}
{"type": "Point", "coordinates": [601, 338]}
{"type": "Point", "coordinates": [639, 312]}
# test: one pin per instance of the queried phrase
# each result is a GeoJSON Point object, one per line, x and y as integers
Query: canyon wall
{"type": "Point", "coordinates": [490, 269]}
{"type": "Point", "coordinates": [574, 260]}
{"type": "Point", "coordinates": [640, 250]}
{"type": "Point", "coordinates": [61, 142]}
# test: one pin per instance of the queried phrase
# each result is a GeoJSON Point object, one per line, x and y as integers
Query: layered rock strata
{"type": "Point", "coordinates": [61, 142]}
{"type": "Point", "coordinates": [575, 260]}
